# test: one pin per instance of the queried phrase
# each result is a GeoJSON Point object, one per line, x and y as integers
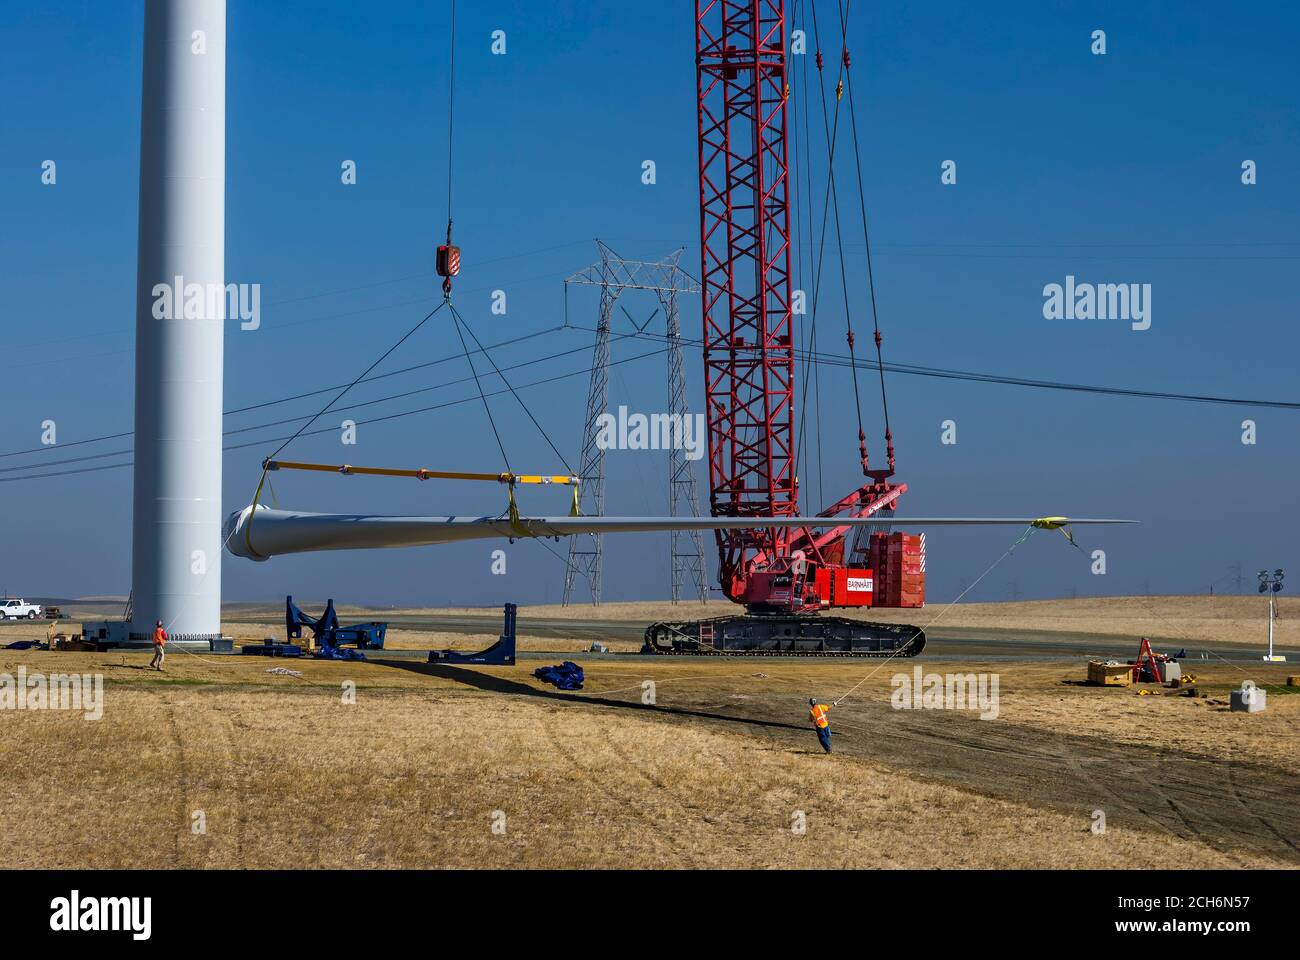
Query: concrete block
{"type": "Point", "coordinates": [1252, 701]}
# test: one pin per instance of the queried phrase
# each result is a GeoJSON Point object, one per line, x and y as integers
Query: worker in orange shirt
{"type": "Point", "coordinates": [818, 712]}
{"type": "Point", "coordinates": [159, 642]}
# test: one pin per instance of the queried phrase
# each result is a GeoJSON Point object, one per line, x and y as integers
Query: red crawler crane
{"type": "Point", "coordinates": [783, 577]}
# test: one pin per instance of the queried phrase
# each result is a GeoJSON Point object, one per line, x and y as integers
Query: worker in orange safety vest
{"type": "Point", "coordinates": [159, 641]}
{"type": "Point", "coordinates": [818, 712]}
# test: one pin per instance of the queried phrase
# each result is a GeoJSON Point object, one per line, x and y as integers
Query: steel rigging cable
{"type": "Point", "coordinates": [540, 429]}
{"type": "Point", "coordinates": [832, 137]}
{"type": "Point", "coordinates": [384, 356]}
{"type": "Point", "coordinates": [455, 317]}
{"type": "Point", "coordinates": [866, 238]}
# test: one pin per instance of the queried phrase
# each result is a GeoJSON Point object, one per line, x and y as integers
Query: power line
{"type": "Point", "coordinates": [417, 366]}
{"type": "Point", "coordinates": [312, 393]}
{"type": "Point", "coordinates": [351, 406]}
{"type": "Point", "coordinates": [354, 406]}
{"type": "Point", "coordinates": [920, 370]}
{"type": "Point", "coordinates": [805, 355]}
{"type": "Point", "coordinates": [322, 430]}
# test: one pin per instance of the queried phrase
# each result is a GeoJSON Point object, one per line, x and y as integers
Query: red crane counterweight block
{"type": "Point", "coordinates": [898, 560]}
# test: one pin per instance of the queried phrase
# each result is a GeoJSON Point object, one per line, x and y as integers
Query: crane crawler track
{"type": "Point", "coordinates": [783, 636]}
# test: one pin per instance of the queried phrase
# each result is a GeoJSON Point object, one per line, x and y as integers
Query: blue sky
{"type": "Point", "coordinates": [1123, 168]}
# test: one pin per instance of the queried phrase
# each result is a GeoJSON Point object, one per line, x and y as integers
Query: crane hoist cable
{"type": "Point", "coordinates": [830, 131]}
{"type": "Point", "coordinates": [812, 339]}
{"type": "Point", "coordinates": [839, 233]}
{"type": "Point", "coordinates": [804, 206]}
{"type": "Point", "coordinates": [448, 266]}
{"type": "Point", "coordinates": [447, 261]}
{"type": "Point", "coordinates": [866, 239]}
{"type": "Point", "coordinates": [816, 261]}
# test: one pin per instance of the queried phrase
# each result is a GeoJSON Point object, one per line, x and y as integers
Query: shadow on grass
{"type": "Point", "coordinates": [503, 685]}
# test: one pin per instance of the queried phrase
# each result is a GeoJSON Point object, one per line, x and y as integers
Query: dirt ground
{"type": "Point", "coordinates": [1188, 621]}
{"type": "Point", "coordinates": [219, 762]}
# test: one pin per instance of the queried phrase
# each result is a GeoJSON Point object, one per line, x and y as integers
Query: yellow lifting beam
{"type": "Point", "coordinates": [348, 469]}
{"type": "Point", "coordinates": [510, 479]}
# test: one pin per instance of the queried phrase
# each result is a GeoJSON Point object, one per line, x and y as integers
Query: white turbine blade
{"type": "Point", "coordinates": [269, 533]}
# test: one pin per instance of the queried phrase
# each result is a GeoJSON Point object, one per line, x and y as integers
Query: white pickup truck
{"type": "Point", "coordinates": [19, 610]}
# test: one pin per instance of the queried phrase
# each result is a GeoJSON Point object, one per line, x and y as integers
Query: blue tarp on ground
{"type": "Point", "coordinates": [23, 645]}
{"type": "Point", "coordinates": [566, 676]}
{"type": "Point", "coordinates": [338, 653]}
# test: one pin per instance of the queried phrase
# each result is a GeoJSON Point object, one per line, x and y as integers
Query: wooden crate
{"type": "Point", "coordinates": [1102, 674]}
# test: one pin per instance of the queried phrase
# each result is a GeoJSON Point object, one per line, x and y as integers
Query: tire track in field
{"type": "Point", "coordinates": [183, 777]}
{"type": "Point", "coordinates": [221, 732]}
{"type": "Point", "coordinates": [1230, 779]}
{"type": "Point", "coordinates": [610, 787]}
{"type": "Point", "coordinates": [686, 808]}
{"type": "Point", "coordinates": [234, 728]}
{"type": "Point", "coordinates": [1081, 771]}
{"type": "Point", "coordinates": [1128, 800]}
{"type": "Point", "coordinates": [663, 789]}
{"type": "Point", "coordinates": [1179, 810]}
{"type": "Point", "coordinates": [1173, 789]}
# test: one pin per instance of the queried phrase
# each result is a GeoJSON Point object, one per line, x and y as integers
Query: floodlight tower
{"type": "Point", "coordinates": [1272, 586]}
{"type": "Point", "coordinates": [176, 555]}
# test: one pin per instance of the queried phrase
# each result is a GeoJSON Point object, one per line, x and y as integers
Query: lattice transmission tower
{"type": "Point", "coordinates": [665, 279]}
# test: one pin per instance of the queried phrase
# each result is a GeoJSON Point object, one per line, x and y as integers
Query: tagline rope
{"type": "Point", "coordinates": [942, 613]}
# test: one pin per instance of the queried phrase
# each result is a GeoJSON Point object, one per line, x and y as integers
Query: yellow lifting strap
{"type": "Point", "coordinates": [248, 527]}
{"type": "Point", "coordinates": [512, 510]}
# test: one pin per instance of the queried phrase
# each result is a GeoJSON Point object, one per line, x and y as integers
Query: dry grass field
{"type": "Point", "coordinates": [717, 772]}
